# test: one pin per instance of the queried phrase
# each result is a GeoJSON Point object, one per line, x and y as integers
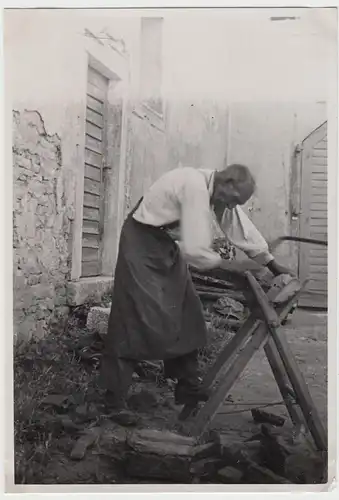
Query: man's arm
{"type": "Point", "coordinates": [277, 268]}
{"type": "Point", "coordinates": [251, 265]}
{"type": "Point", "coordinates": [196, 234]}
{"type": "Point", "coordinates": [242, 233]}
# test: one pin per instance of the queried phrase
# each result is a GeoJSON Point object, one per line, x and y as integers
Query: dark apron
{"type": "Point", "coordinates": [156, 312]}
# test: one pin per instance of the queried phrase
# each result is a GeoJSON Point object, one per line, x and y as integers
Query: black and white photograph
{"type": "Point", "coordinates": [173, 177]}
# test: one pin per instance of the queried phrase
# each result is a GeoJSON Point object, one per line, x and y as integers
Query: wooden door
{"type": "Point", "coordinates": [313, 217]}
{"type": "Point", "coordinates": [97, 88]}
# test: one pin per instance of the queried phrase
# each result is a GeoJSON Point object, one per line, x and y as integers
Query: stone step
{"type": "Point", "coordinates": [97, 319]}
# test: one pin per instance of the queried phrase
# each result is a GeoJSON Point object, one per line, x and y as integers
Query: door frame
{"type": "Point", "coordinates": [305, 159]}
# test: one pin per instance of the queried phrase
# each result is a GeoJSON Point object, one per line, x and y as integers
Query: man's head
{"type": "Point", "coordinates": [234, 185]}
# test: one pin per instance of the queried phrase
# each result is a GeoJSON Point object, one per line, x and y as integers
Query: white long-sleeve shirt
{"type": "Point", "coordinates": [184, 195]}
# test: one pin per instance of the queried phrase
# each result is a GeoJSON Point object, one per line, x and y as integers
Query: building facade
{"type": "Point", "coordinates": [101, 104]}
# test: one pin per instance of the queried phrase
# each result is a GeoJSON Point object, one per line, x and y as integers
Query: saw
{"type": "Point", "coordinates": [275, 243]}
{"type": "Point", "coordinates": [240, 266]}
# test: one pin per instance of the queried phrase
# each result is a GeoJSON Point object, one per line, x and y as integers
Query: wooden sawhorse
{"type": "Point", "coordinates": [259, 331]}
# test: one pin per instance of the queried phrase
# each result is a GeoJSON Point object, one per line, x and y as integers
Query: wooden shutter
{"type": "Point", "coordinates": [313, 218]}
{"type": "Point", "coordinates": [95, 139]}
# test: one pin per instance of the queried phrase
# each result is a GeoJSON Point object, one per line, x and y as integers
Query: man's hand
{"type": "Point", "coordinates": [237, 266]}
{"type": "Point", "coordinates": [278, 269]}
{"type": "Point", "coordinates": [240, 266]}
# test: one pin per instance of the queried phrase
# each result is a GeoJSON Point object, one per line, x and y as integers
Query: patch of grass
{"type": "Point", "coordinates": [52, 366]}
{"type": "Point", "coordinates": [47, 425]}
{"type": "Point", "coordinates": [217, 340]}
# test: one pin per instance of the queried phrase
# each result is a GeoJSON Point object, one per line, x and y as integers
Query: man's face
{"type": "Point", "coordinates": [230, 195]}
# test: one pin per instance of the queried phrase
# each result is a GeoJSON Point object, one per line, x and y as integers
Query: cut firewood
{"type": "Point", "coordinates": [262, 475]}
{"type": "Point", "coordinates": [214, 282]}
{"type": "Point", "coordinates": [218, 322]}
{"type": "Point", "coordinates": [169, 455]}
{"type": "Point", "coordinates": [84, 442]}
{"type": "Point", "coordinates": [208, 288]}
{"type": "Point", "coordinates": [216, 295]}
{"type": "Point", "coordinates": [206, 468]}
{"type": "Point", "coordinates": [261, 416]}
{"type": "Point", "coordinates": [230, 475]}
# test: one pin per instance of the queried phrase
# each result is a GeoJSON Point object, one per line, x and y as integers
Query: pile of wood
{"type": "Point", "coordinates": [161, 455]}
{"type": "Point", "coordinates": [171, 456]}
{"type": "Point", "coordinates": [211, 288]}
{"type": "Point", "coordinates": [226, 295]}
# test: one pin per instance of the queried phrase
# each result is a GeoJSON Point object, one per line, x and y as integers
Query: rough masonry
{"type": "Point", "coordinates": [41, 228]}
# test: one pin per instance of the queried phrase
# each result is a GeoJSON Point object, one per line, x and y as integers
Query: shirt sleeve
{"type": "Point", "coordinates": [242, 233]}
{"type": "Point", "coordinates": [196, 232]}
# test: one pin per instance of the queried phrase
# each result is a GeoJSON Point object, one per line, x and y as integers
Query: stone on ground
{"type": "Point", "coordinates": [97, 319]}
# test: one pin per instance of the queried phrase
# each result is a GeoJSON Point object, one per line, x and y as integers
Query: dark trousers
{"type": "Point", "coordinates": [116, 373]}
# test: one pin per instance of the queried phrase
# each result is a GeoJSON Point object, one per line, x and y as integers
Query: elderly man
{"type": "Point", "coordinates": [156, 313]}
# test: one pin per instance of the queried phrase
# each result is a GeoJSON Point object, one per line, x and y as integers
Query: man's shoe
{"type": "Point", "coordinates": [185, 393]}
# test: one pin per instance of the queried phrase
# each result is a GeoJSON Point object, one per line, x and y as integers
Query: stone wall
{"type": "Point", "coordinates": [41, 228]}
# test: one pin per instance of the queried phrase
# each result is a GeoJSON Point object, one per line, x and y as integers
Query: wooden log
{"type": "Point", "coordinates": [260, 416]}
{"type": "Point", "coordinates": [224, 322]}
{"type": "Point", "coordinates": [239, 280]}
{"type": "Point", "coordinates": [239, 452]}
{"type": "Point", "coordinates": [230, 475]}
{"type": "Point", "coordinates": [167, 455]}
{"type": "Point", "coordinates": [172, 468]}
{"type": "Point", "coordinates": [161, 442]}
{"type": "Point", "coordinates": [240, 297]}
{"type": "Point", "coordinates": [221, 291]}
{"type": "Point", "coordinates": [261, 475]}
{"type": "Point", "coordinates": [113, 440]}
{"type": "Point", "coordinates": [206, 468]}
{"type": "Point", "coordinates": [215, 282]}
{"type": "Point", "coordinates": [273, 451]}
